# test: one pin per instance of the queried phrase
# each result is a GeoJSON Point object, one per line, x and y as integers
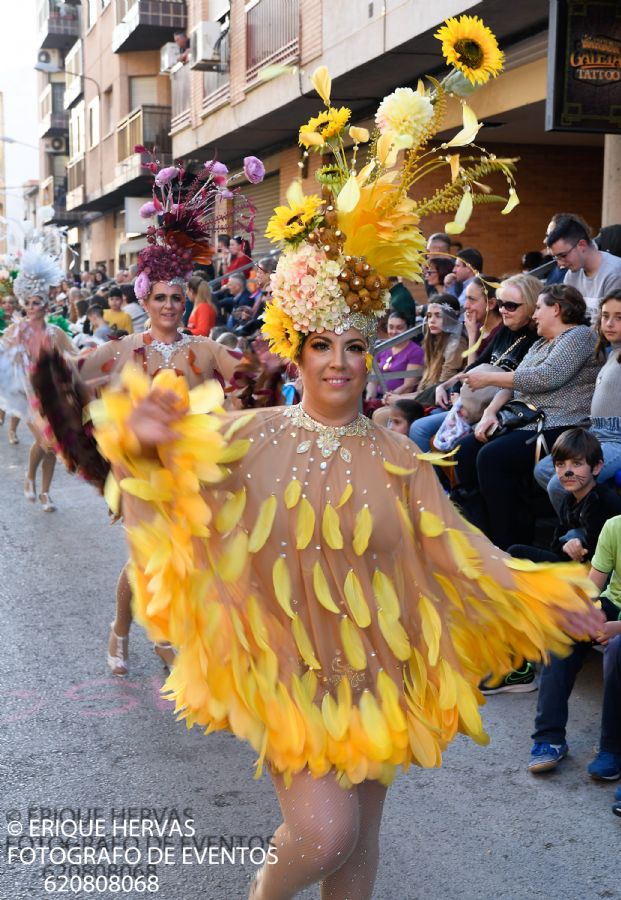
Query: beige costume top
{"type": "Point", "coordinates": [329, 604]}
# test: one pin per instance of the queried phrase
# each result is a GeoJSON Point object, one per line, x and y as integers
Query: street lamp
{"type": "Point", "coordinates": [10, 140]}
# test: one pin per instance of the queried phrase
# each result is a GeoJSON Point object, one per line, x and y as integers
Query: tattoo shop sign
{"type": "Point", "coordinates": [584, 66]}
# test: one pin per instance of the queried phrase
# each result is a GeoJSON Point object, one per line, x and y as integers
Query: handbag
{"type": "Point", "coordinates": [517, 414]}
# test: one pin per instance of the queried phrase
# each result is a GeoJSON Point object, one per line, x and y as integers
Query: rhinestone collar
{"type": "Point", "coordinates": [167, 351]}
{"type": "Point", "coordinates": [329, 436]}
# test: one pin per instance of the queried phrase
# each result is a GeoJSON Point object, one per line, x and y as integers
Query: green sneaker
{"type": "Point", "coordinates": [520, 681]}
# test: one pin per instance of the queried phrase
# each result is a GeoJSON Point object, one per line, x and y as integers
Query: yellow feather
{"type": "Point", "coordinates": [397, 470]}
{"type": "Point", "coordinates": [263, 525]}
{"type": "Point", "coordinates": [304, 643]}
{"type": "Point", "coordinates": [374, 724]}
{"type": "Point", "coordinates": [467, 559]}
{"type": "Point", "coordinates": [352, 644]}
{"type": "Point", "coordinates": [345, 496]}
{"type": "Point", "coordinates": [432, 628]}
{"type": "Point", "coordinates": [238, 628]}
{"type": "Point", "coordinates": [233, 560]}
{"type": "Point", "coordinates": [231, 512]}
{"type": "Point", "coordinates": [305, 524]}
{"type": "Point", "coordinates": [418, 672]}
{"type": "Point", "coordinates": [331, 528]}
{"type": "Point", "coordinates": [334, 719]}
{"type": "Point", "coordinates": [282, 585]}
{"type": "Point", "coordinates": [356, 600]}
{"type": "Point", "coordinates": [468, 707]}
{"type": "Point", "coordinates": [395, 636]}
{"type": "Point", "coordinates": [449, 589]}
{"type": "Point", "coordinates": [237, 424]}
{"type": "Point", "coordinates": [257, 625]}
{"type": "Point", "coordinates": [391, 708]}
{"type": "Point", "coordinates": [363, 528]}
{"type": "Point", "coordinates": [322, 589]}
{"type": "Point", "coordinates": [404, 515]}
{"type": "Point", "coordinates": [235, 450]}
{"type": "Point", "coordinates": [448, 687]}
{"type": "Point", "coordinates": [386, 596]}
{"type": "Point", "coordinates": [112, 494]}
{"type": "Point", "coordinates": [292, 493]}
{"type": "Point", "coordinates": [430, 524]}
{"type": "Point", "coordinates": [424, 747]}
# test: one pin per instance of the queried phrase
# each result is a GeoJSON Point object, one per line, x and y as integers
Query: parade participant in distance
{"type": "Point", "coordinates": [329, 605]}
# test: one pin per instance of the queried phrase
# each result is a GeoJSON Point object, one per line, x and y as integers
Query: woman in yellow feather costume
{"type": "Point", "coordinates": [328, 604]}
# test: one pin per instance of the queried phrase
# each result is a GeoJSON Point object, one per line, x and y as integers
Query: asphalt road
{"type": "Point", "coordinates": [109, 753]}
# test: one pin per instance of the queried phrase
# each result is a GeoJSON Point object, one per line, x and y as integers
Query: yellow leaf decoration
{"type": "Point", "coordinates": [395, 636]}
{"type": "Point", "coordinates": [335, 719]}
{"type": "Point", "coordinates": [356, 602]}
{"type": "Point", "coordinates": [322, 589]}
{"type": "Point", "coordinates": [292, 493]}
{"type": "Point", "coordinates": [263, 525]}
{"type": "Point", "coordinates": [512, 202]}
{"type": "Point", "coordinates": [281, 580]}
{"type": "Point", "coordinates": [374, 724]}
{"type": "Point", "coordinates": [397, 470]}
{"type": "Point", "coordinates": [305, 524]}
{"type": "Point", "coordinates": [352, 645]}
{"type": "Point", "coordinates": [322, 83]}
{"type": "Point", "coordinates": [386, 596]}
{"type": "Point", "coordinates": [349, 195]}
{"type": "Point", "coordinates": [304, 643]}
{"type": "Point", "coordinates": [144, 490]}
{"type": "Point", "coordinates": [206, 397]}
{"type": "Point", "coordinates": [112, 494]}
{"type": "Point", "coordinates": [454, 164]}
{"type": "Point", "coordinates": [432, 628]}
{"type": "Point", "coordinates": [464, 211]}
{"type": "Point", "coordinates": [231, 512]}
{"type": "Point", "coordinates": [345, 496]}
{"type": "Point", "coordinates": [331, 528]}
{"type": "Point", "coordinates": [363, 528]}
{"type": "Point", "coordinates": [359, 135]}
{"type": "Point", "coordinates": [389, 693]}
{"type": "Point", "coordinates": [233, 560]}
{"type": "Point", "coordinates": [470, 129]}
{"type": "Point", "coordinates": [430, 524]}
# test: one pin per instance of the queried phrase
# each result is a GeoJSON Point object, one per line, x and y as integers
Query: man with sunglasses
{"type": "Point", "coordinates": [591, 271]}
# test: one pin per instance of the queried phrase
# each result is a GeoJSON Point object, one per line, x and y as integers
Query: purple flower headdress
{"type": "Point", "coordinates": [189, 218]}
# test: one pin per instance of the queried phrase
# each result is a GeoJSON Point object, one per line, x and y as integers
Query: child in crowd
{"type": "Point", "coordinates": [583, 534]}
{"type": "Point", "coordinates": [402, 413]}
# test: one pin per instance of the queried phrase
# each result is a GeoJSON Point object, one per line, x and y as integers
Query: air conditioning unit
{"type": "Point", "coordinates": [51, 58]}
{"type": "Point", "coordinates": [57, 145]}
{"type": "Point", "coordinates": [205, 42]}
{"type": "Point", "coordinates": [169, 57]}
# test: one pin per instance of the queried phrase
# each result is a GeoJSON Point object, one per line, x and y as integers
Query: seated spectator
{"type": "Point", "coordinates": [121, 320]}
{"type": "Point", "coordinates": [435, 271]}
{"type": "Point", "coordinates": [100, 329]}
{"type": "Point", "coordinates": [99, 278]}
{"type": "Point", "coordinates": [466, 267]}
{"type": "Point", "coordinates": [227, 338]}
{"type": "Point", "coordinates": [190, 296]}
{"type": "Point", "coordinates": [203, 316]}
{"type": "Point", "coordinates": [482, 319]}
{"type": "Point", "coordinates": [238, 259]}
{"type": "Point", "coordinates": [249, 319]}
{"type": "Point", "coordinates": [532, 259]}
{"type": "Point", "coordinates": [605, 405]}
{"type": "Point", "coordinates": [238, 296]}
{"type": "Point", "coordinates": [558, 678]}
{"type": "Point", "coordinates": [557, 378]}
{"type": "Point", "coordinates": [406, 356]}
{"type": "Point", "coordinates": [592, 272]}
{"type": "Point", "coordinates": [135, 310]}
{"type": "Point", "coordinates": [402, 414]}
{"type": "Point", "coordinates": [81, 324]}
{"type": "Point", "coordinates": [401, 300]}
{"type": "Point", "coordinates": [609, 239]}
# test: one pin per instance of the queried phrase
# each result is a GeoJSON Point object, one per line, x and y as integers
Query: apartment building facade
{"type": "Point", "coordinates": [243, 87]}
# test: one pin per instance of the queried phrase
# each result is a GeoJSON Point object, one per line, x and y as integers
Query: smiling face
{"type": "Point", "coordinates": [334, 373]}
{"type": "Point", "coordinates": [516, 314]}
{"type": "Point", "coordinates": [165, 306]}
{"type": "Point", "coordinates": [35, 308]}
{"type": "Point", "coordinates": [610, 321]}
{"type": "Point", "coordinates": [476, 302]}
{"type": "Point", "coordinates": [396, 326]}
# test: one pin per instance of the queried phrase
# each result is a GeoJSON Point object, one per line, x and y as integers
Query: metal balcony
{"type": "Point", "coordinates": [54, 124]}
{"type": "Point", "coordinates": [54, 193]}
{"type": "Point", "coordinates": [272, 37]}
{"type": "Point", "coordinates": [74, 82]}
{"type": "Point", "coordinates": [146, 125]}
{"type": "Point", "coordinates": [58, 24]}
{"type": "Point", "coordinates": [146, 24]}
{"type": "Point", "coordinates": [180, 90]}
{"type": "Point", "coordinates": [75, 183]}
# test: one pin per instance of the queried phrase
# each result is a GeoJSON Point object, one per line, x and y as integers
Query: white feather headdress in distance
{"type": "Point", "coordinates": [38, 272]}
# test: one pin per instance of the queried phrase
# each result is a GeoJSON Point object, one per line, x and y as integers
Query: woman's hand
{"type": "Point", "coordinates": [389, 397]}
{"type": "Point", "coordinates": [471, 325]}
{"type": "Point", "coordinates": [442, 397]}
{"type": "Point", "coordinates": [609, 630]}
{"type": "Point", "coordinates": [152, 419]}
{"type": "Point", "coordinates": [590, 623]}
{"type": "Point", "coordinates": [486, 426]}
{"type": "Point", "coordinates": [476, 379]}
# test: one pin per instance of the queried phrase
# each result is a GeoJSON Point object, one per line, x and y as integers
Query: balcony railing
{"type": "Point", "coordinates": [146, 24]}
{"type": "Point", "coordinates": [147, 125]}
{"type": "Point", "coordinates": [216, 85]}
{"type": "Point", "coordinates": [272, 32]}
{"type": "Point", "coordinates": [180, 89]}
{"type": "Point", "coordinates": [58, 24]}
{"type": "Point", "coordinates": [75, 183]}
{"type": "Point", "coordinates": [74, 83]}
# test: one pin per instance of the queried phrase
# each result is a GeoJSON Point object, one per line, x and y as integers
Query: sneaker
{"type": "Point", "coordinates": [544, 757]}
{"type": "Point", "coordinates": [605, 767]}
{"type": "Point", "coordinates": [520, 681]}
{"type": "Point", "coordinates": [616, 806]}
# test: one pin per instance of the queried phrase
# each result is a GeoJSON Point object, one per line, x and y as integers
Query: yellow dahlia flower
{"type": "Point", "coordinates": [471, 47]}
{"type": "Point", "coordinates": [326, 125]}
{"type": "Point", "coordinates": [291, 222]}
{"type": "Point", "coordinates": [279, 329]}
{"type": "Point", "coordinates": [405, 115]}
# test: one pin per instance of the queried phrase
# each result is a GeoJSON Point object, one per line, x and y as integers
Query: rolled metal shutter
{"type": "Point", "coordinates": [265, 196]}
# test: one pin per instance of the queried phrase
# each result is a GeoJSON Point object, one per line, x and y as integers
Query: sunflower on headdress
{"type": "Point", "coordinates": [279, 329]}
{"type": "Point", "coordinates": [326, 125]}
{"type": "Point", "coordinates": [471, 47]}
{"type": "Point", "coordinates": [291, 222]}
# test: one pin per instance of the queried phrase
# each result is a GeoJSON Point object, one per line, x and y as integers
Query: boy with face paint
{"type": "Point", "coordinates": [578, 459]}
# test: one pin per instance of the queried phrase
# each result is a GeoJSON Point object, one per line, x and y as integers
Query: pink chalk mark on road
{"type": "Point", "coordinates": [121, 702]}
{"type": "Point", "coordinates": [28, 713]}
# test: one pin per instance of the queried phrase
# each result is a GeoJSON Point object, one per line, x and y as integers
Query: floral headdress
{"type": "Point", "coordinates": [189, 218]}
{"type": "Point", "coordinates": [341, 245]}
